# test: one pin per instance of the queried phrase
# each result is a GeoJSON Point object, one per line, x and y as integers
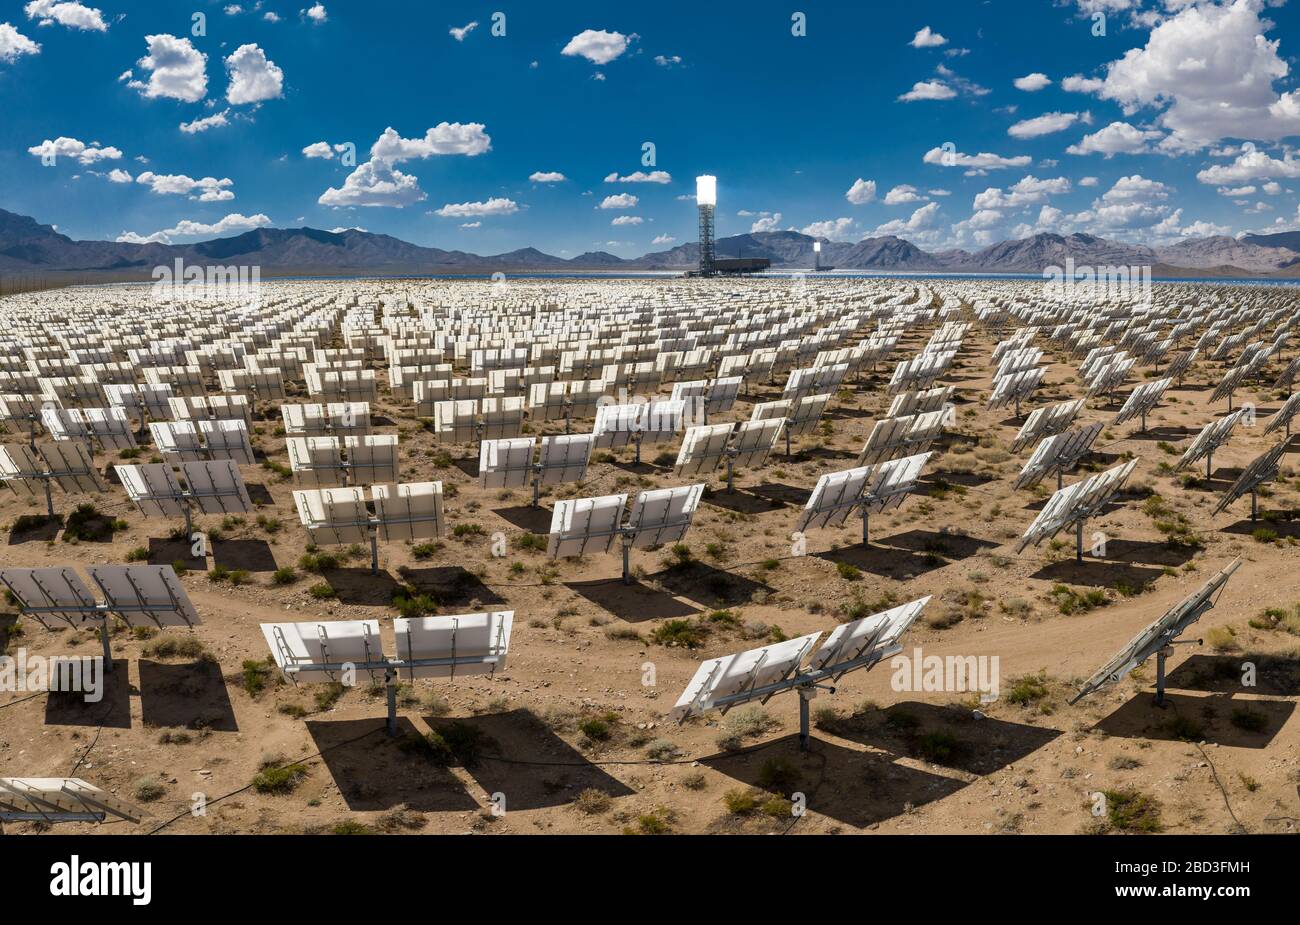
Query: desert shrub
{"type": "Point", "coordinates": [146, 789]}
{"type": "Point", "coordinates": [256, 674]}
{"type": "Point", "coordinates": [174, 647]}
{"type": "Point", "coordinates": [744, 722]}
{"type": "Point", "coordinates": [326, 695]}
{"type": "Point", "coordinates": [531, 541]}
{"type": "Point", "coordinates": [937, 745]}
{"type": "Point", "coordinates": [654, 823]}
{"type": "Point", "coordinates": [1222, 638]}
{"type": "Point", "coordinates": [848, 571]}
{"type": "Point", "coordinates": [1069, 601]}
{"type": "Point", "coordinates": [279, 780]}
{"type": "Point", "coordinates": [1028, 689]}
{"type": "Point", "coordinates": [351, 827]}
{"type": "Point", "coordinates": [400, 817]}
{"type": "Point", "coordinates": [740, 802]}
{"type": "Point", "coordinates": [778, 774]}
{"type": "Point", "coordinates": [318, 562]}
{"type": "Point", "coordinates": [687, 634]}
{"type": "Point", "coordinates": [593, 802]}
{"type": "Point", "coordinates": [1131, 811]}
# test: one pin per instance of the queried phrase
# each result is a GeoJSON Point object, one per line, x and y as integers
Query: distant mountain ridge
{"type": "Point", "coordinates": [29, 247]}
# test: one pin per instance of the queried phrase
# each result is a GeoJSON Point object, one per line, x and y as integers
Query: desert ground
{"type": "Point", "coordinates": [570, 737]}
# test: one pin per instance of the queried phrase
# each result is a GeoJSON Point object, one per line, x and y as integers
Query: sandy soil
{"type": "Point", "coordinates": [1222, 758]}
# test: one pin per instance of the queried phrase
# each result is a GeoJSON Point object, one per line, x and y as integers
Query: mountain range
{"type": "Point", "coordinates": [28, 247]}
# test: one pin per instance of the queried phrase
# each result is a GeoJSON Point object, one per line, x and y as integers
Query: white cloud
{"type": "Point", "coordinates": [319, 149]}
{"type": "Point", "coordinates": [547, 176]}
{"type": "Point", "coordinates": [838, 229]}
{"type": "Point", "coordinates": [1136, 188]}
{"type": "Point", "coordinates": [233, 9]}
{"type": "Point", "coordinates": [1088, 181]}
{"type": "Point", "coordinates": [270, 16]}
{"type": "Point", "coordinates": [596, 45]}
{"type": "Point", "coordinates": [378, 182]}
{"type": "Point", "coordinates": [473, 224]}
{"type": "Point", "coordinates": [1032, 83]}
{"type": "Point", "coordinates": [1116, 138]}
{"type": "Point", "coordinates": [459, 33]}
{"type": "Point", "coordinates": [209, 189]}
{"type": "Point", "coordinates": [1134, 203]}
{"type": "Point", "coordinates": [177, 70]}
{"type": "Point", "coordinates": [927, 38]}
{"type": "Point", "coordinates": [668, 60]}
{"type": "Point", "coordinates": [130, 237]}
{"type": "Point", "coordinates": [619, 201]}
{"type": "Point", "coordinates": [654, 176]}
{"type": "Point", "coordinates": [1272, 187]}
{"type": "Point", "coordinates": [1080, 84]}
{"type": "Point", "coordinates": [627, 220]}
{"type": "Point", "coordinates": [928, 90]}
{"type": "Point", "coordinates": [903, 194]}
{"type": "Point", "coordinates": [315, 13]}
{"type": "Point", "coordinates": [980, 220]}
{"type": "Point", "coordinates": [1049, 219]}
{"type": "Point", "coordinates": [253, 77]}
{"type": "Point", "coordinates": [767, 221]}
{"type": "Point", "coordinates": [1028, 191]}
{"type": "Point", "coordinates": [13, 44]}
{"type": "Point", "coordinates": [234, 222]}
{"type": "Point", "coordinates": [1236, 191]}
{"type": "Point", "coordinates": [919, 220]}
{"type": "Point", "coordinates": [1048, 123]}
{"type": "Point", "coordinates": [117, 175]}
{"type": "Point", "coordinates": [981, 161]}
{"type": "Point", "coordinates": [1203, 229]}
{"type": "Point", "coordinates": [1210, 70]}
{"type": "Point", "coordinates": [71, 148]}
{"type": "Point", "coordinates": [70, 14]}
{"type": "Point", "coordinates": [1251, 164]}
{"type": "Point", "coordinates": [663, 239]}
{"type": "Point", "coordinates": [374, 183]}
{"type": "Point", "coordinates": [469, 139]}
{"type": "Point", "coordinates": [216, 120]}
{"type": "Point", "coordinates": [861, 192]}
{"type": "Point", "coordinates": [497, 206]}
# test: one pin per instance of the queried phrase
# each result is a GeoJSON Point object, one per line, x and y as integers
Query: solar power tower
{"type": "Point", "coordinates": [760, 674]}
{"type": "Point", "coordinates": [706, 199]}
{"type": "Point", "coordinates": [1160, 637]}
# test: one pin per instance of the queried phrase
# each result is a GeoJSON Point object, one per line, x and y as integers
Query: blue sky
{"type": "Point", "coordinates": [949, 124]}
